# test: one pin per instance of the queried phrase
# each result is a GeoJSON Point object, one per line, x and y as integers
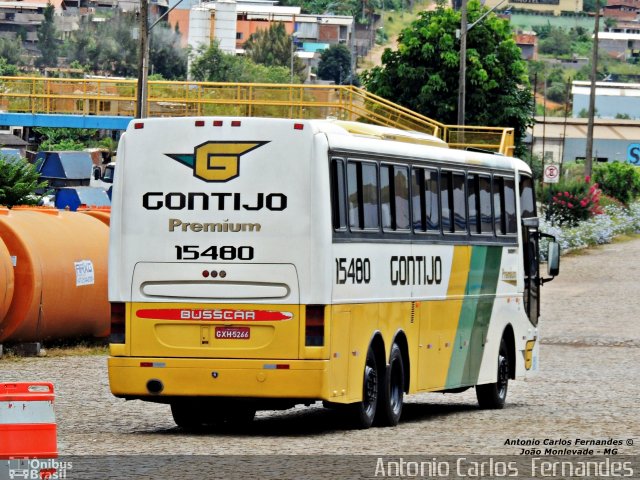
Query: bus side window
{"type": "Point", "coordinates": [401, 182]}
{"type": "Point", "coordinates": [510, 206]}
{"type": "Point", "coordinates": [394, 193]}
{"type": "Point", "coordinates": [370, 195]}
{"type": "Point", "coordinates": [418, 218]}
{"type": "Point", "coordinates": [338, 206]}
{"type": "Point", "coordinates": [486, 220]}
{"type": "Point", "coordinates": [473, 202]}
{"type": "Point", "coordinates": [362, 190]}
{"type": "Point", "coordinates": [527, 198]}
{"type": "Point", "coordinates": [431, 197]}
{"type": "Point", "coordinates": [498, 205]}
{"type": "Point", "coordinates": [459, 203]}
{"type": "Point", "coordinates": [446, 200]}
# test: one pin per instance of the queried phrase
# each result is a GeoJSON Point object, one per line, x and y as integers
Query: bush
{"type": "Point", "coordinates": [619, 180]}
{"type": "Point", "coordinates": [18, 182]}
{"type": "Point", "coordinates": [569, 202]}
{"type": "Point", "coordinates": [598, 230]}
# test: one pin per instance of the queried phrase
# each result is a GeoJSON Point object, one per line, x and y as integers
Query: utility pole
{"type": "Point", "coordinates": [462, 80]}
{"type": "Point", "coordinates": [588, 158]}
{"type": "Point", "coordinates": [143, 60]}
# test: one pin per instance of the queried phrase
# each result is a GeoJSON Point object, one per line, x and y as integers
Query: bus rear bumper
{"type": "Point", "coordinates": [131, 377]}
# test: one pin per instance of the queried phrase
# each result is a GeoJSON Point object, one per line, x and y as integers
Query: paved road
{"type": "Point", "coordinates": [588, 388]}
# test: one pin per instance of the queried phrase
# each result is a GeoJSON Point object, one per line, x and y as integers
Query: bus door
{"type": "Point", "coordinates": [530, 252]}
{"type": "Point", "coordinates": [531, 269]}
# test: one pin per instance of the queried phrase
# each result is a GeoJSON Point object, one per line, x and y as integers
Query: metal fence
{"type": "Point", "coordinates": [117, 97]}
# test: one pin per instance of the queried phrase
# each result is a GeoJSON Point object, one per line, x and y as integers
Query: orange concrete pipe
{"type": "Point", "coordinates": [101, 213]}
{"type": "Point", "coordinates": [60, 275]}
{"type": "Point", "coordinates": [6, 279]}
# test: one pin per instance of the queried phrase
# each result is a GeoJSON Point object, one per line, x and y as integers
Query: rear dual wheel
{"type": "Point", "coordinates": [392, 397]}
{"type": "Point", "coordinates": [382, 392]}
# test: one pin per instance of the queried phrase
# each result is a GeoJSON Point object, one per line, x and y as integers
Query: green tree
{"type": "Point", "coordinates": [618, 180]}
{"type": "Point", "coordinates": [52, 139]}
{"type": "Point", "coordinates": [18, 182]}
{"type": "Point", "coordinates": [166, 57]}
{"type": "Point", "coordinates": [11, 50]}
{"type": "Point", "coordinates": [422, 74]}
{"type": "Point", "coordinates": [335, 64]}
{"type": "Point", "coordinates": [557, 42]}
{"type": "Point", "coordinates": [106, 47]}
{"type": "Point", "coordinates": [213, 65]}
{"type": "Point", "coordinates": [48, 42]}
{"type": "Point", "coordinates": [210, 64]}
{"type": "Point", "coordinates": [273, 47]}
{"type": "Point", "coordinates": [7, 70]}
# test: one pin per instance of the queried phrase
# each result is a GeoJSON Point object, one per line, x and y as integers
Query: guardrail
{"type": "Point", "coordinates": [117, 97]}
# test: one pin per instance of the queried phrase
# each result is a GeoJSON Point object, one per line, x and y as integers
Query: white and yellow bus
{"type": "Point", "coordinates": [263, 263]}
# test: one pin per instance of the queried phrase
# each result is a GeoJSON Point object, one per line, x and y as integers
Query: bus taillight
{"type": "Point", "coordinates": [117, 323]}
{"type": "Point", "coordinates": [314, 326]}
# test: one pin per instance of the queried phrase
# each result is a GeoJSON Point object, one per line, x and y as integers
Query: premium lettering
{"type": "Point", "coordinates": [177, 225]}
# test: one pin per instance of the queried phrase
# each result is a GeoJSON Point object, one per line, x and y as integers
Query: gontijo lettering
{"type": "Point", "coordinates": [276, 202]}
{"type": "Point", "coordinates": [415, 270]}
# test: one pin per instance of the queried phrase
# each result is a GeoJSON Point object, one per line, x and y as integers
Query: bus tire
{"type": "Point", "coordinates": [392, 391]}
{"type": "Point", "coordinates": [363, 413]}
{"type": "Point", "coordinates": [187, 416]}
{"type": "Point", "coordinates": [494, 395]}
{"type": "Point", "coordinates": [240, 416]}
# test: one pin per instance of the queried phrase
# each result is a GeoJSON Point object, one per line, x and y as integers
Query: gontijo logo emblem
{"type": "Point", "coordinates": [216, 161]}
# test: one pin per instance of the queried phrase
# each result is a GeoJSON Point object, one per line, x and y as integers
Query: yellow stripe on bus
{"type": "Point", "coordinates": [442, 324]}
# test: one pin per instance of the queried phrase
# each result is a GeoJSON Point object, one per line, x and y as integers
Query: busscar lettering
{"type": "Point", "coordinates": [276, 202]}
{"type": "Point", "coordinates": [217, 315]}
{"type": "Point", "coordinates": [177, 225]}
{"type": "Point", "coordinates": [415, 270]}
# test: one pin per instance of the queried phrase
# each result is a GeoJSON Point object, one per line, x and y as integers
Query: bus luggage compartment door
{"type": "Point", "coordinates": [215, 311]}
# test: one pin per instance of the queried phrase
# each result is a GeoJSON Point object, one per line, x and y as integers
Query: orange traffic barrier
{"type": "Point", "coordinates": [60, 275]}
{"type": "Point", "coordinates": [101, 213]}
{"type": "Point", "coordinates": [6, 280]}
{"type": "Point", "coordinates": [27, 421]}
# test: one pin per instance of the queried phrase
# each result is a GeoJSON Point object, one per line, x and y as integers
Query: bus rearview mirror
{"type": "Point", "coordinates": [553, 259]}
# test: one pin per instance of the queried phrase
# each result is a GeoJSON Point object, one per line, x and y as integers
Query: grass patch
{"type": "Point", "coordinates": [63, 348]}
{"type": "Point", "coordinates": [626, 238]}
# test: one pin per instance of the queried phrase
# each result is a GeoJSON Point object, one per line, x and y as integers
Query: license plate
{"type": "Point", "coordinates": [233, 333]}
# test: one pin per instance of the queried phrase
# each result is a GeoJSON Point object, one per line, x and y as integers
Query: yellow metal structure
{"type": "Point", "coordinates": [116, 97]}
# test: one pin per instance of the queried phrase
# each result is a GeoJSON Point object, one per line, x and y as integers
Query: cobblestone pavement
{"type": "Point", "coordinates": [588, 387]}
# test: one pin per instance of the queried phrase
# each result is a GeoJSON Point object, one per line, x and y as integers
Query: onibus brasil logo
{"type": "Point", "coordinates": [216, 161]}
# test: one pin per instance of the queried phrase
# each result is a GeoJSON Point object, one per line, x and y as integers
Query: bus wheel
{"type": "Point", "coordinates": [363, 413]}
{"type": "Point", "coordinates": [392, 391]}
{"type": "Point", "coordinates": [187, 416]}
{"type": "Point", "coordinates": [493, 395]}
{"type": "Point", "coordinates": [240, 416]}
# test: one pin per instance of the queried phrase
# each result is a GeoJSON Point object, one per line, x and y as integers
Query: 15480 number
{"type": "Point", "coordinates": [353, 270]}
{"type": "Point", "coordinates": [226, 252]}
